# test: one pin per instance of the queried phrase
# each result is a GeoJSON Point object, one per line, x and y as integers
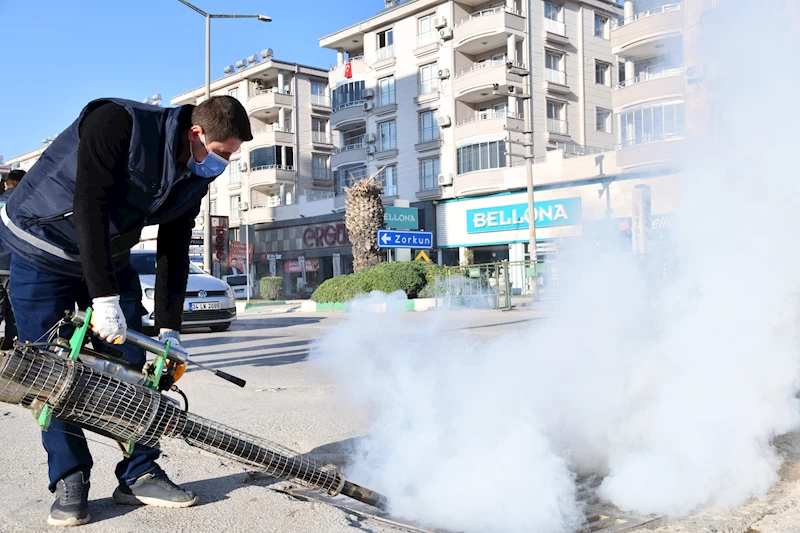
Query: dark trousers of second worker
{"type": "Point", "coordinates": [40, 299]}
{"type": "Point", "coordinates": [6, 314]}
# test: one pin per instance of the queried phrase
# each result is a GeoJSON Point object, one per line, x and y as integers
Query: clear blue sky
{"type": "Point", "coordinates": [57, 55]}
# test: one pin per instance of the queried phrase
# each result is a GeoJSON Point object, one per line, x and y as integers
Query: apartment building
{"type": "Point", "coordinates": [289, 156]}
{"type": "Point", "coordinates": [25, 161]}
{"type": "Point", "coordinates": [433, 92]}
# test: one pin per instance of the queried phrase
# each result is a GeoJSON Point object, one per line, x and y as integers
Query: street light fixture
{"type": "Point", "coordinates": [207, 200]}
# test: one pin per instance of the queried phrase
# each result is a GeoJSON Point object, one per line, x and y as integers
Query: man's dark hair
{"type": "Point", "coordinates": [14, 177]}
{"type": "Point", "coordinates": [222, 117]}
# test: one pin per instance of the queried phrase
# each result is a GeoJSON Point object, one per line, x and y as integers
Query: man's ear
{"type": "Point", "coordinates": [195, 132]}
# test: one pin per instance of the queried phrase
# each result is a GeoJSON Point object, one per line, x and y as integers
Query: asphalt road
{"type": "Point", "coordinates": [287, 400]}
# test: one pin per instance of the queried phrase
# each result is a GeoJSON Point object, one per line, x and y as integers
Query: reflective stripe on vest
{"type": "Point", "coordinates": [36, 241]}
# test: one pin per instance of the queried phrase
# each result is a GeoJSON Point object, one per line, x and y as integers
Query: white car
{"type": "Point", "coordinates": [209, 301]}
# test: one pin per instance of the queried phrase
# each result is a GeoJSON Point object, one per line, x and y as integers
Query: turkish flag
{"type": "Point", "coordinates": [348, 70]}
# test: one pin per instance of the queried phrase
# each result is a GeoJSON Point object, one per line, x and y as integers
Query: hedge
{"type": "Point", "coordinates": [410, 278]}
{"type": "Point", "coordinates": [271, 288]}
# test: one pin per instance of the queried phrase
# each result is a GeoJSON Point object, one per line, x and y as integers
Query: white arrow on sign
{"type": "Point", "coordinates": [385, 238]}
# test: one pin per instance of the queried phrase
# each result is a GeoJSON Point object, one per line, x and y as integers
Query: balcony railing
{"type": "Point", "coordinates": [555, 27]}
{"type": "Point", "coordinates": [348, 147]}
{"type": "Point", "coordinates": [271, 167]}
{"type": "Point", "coordinates": [429, 37]}
{"type": "Point", "coordinates": [648, 139]}
{"type": "Point", "coordinates": [387, 52]}
{"type": "Point", "coordinates": [320, 137]}
{"type": "Point", "coordinates": [486, 12]}
{"type": "Point", "coordinates": [320, 174]}
{"type": "Point", "coordinates": [489, 116]}
{"type": "Point", "coordinates": [320, 100]}
{"type": "Point", "coordinates": [352, 59]}
{"type": "Point", "coordinates": [345, 105]}
{"type": "Point", "coordinates": [389, 190]}
{"type": "Point", "coordinates": [488, 64]}
{"type": "Point", "coordinates": [666, 8]}
{"type": "Point", "coordinates": [555, 76]}
{"type": "Point", "coordinates": [273, 127]}
{"type": "Point", "coordinates": [557, 126]}
{"type": "Point", "coordinates": [276, 90]}
{"type": "Point", "coordinates": [315, 195]}
{"type": "Point", "coordinates": [666, 73]}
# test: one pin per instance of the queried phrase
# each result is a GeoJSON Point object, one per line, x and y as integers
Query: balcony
{"type": "Point", "coordinates": [474, 84]}
{"type": "Point", "coordinates": [320, 102]}
{"type": "Point", "coordinates": [321, 138]}
{"type": "Point", "coordinates": [487, 29]}
{"type": "Point", "coordinates": [659, 151]}
{"type": "Point", "coordinates": [268, 176]}
{"type": "Point", "coordinates": [555, 31]}
{"type": "Point", "coordinates": [357, 66]}
{"type": "Point", "coordinates": [273, 134]}
{"type": "Point", "coordinates": [321, 176]}
{"type": "Point", "coordinates": [348, 112]}
{"type": "Point", "coordinates": [384, 57]}
{"type": "Point", "coordinates": [352, 153]}
{"type": "Point", "coordinates": [646, 87]}
{"type": "Point", "coordinates": [427, 43]}
{"type": "Point", "coordinates": [492, 122]}
{"type": "Point", "coordinates": [645, 27]}
{"type": "Point", "coordinates": [557, 130]}
{"type": "Point", "coordinates": [262, 101]}
{"type": "Point", "coordinates": [555, 81]}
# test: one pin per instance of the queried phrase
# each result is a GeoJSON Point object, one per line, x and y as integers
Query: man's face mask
{"type": "Point", "coordinates": [211, 167]}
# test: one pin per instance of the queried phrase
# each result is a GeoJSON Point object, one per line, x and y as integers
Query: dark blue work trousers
{"type": "Point", "coordinates": [40, 299]}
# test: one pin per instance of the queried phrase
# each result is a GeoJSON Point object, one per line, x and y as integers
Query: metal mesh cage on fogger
{"type": "Point", "coordinates": [122, 411]}
{"type": "Point", "coordinates": [85, 397]}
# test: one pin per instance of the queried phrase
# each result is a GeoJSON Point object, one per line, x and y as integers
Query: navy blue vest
{"type": "Point", "coordinates": [37, 220]}
{"type": "Point", "coordinates": [5, 253]}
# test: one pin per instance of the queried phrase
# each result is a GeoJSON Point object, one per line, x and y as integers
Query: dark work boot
{"type": "Point", "coordinates": [71, 507]}
{"type": "Point", "coordinates": [156, 490]}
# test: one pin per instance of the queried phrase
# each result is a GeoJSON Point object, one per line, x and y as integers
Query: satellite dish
{"type": "Point", "coordinates": [266, 53]}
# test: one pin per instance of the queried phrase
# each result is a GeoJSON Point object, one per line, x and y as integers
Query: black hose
{"type": "Point", "coordinates": [175, 388]}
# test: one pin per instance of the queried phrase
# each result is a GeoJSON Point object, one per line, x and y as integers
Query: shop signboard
{"type": "Point", "coordinates": [549, 213]}
{"type": "Point", "coordinates": [296, 267]}
{"type": "Point", "coordinates": [219, 239]}
{"type": "Point", "coordinates": [405, 239]}
{"type": "Point", "coordinates": [401, 217]}
{"type": "Point", "coordinates": [238, 254]}
{"type": "Point", "coordinates": [641, 219]}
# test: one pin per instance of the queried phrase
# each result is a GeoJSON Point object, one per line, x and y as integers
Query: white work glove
{"type": "Point", "coordinates": [170, 335]}
{"type": "Point", "coordinates": [108, 321]}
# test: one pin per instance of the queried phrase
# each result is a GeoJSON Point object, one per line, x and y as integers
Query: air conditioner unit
{"type": "Point", "coordinates": [368, 93]}
{"type": "Point", "coordinates": [242, 166]}
{"type": "Point", "coordinates": [371, 149]}
{"type": "Point", "coordinates": [693, 74]}
{"type": "Point", "coordinates": [368, 106]}
{"type": "Point", "coordinates": [439, 23]}
{"type": "Point", "coordinates": [445, 179]}
{"type": "Point", "coordinates": [446, 34]}
{"type": "Point", "coordinates": [444, 73]}
{"type": "Point", "coordinates": [444, 121]}
{"type": "Point", "coordinates": [370, 138]}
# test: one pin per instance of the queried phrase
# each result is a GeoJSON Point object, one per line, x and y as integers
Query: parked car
{"type": "Point", "coordinates": [238, 283]}
{"type": "Point", "coordinates": [209, 301]}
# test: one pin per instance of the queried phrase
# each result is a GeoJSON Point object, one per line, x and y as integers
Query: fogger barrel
{"type": "Point", "coordinates": [125, 412]}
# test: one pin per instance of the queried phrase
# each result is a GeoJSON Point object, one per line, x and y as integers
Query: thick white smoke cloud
{"type": "Point", "coordinates": [671, 388]}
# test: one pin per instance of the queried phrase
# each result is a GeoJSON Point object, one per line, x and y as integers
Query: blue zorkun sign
{"type": "Point", "coordinates": [514, 217]}
{"type": "Point", "coordinates": [405, 239]}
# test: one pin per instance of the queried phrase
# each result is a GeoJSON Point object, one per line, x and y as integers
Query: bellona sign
{"type": "Point", "coordinates": [549, 213]}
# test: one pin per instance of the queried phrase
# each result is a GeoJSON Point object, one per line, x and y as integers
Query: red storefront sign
{"type": "Point", "coordinates": [219, 236]}
{"type": "Point", "coordinates": [238, 254]}
{"type": "Point", "coordinates": [326, 236]}
{"type": "Point", "coordinates": [293, 266]}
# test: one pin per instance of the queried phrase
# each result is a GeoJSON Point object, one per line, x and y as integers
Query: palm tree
{"type": "Point", "coordinates": [364, 217]}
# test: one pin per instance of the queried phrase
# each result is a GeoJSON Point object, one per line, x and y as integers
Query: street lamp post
{"type": "Point", "coordinates": [246, 207]}
{"type": "Point", "coordinates": [207, 261]}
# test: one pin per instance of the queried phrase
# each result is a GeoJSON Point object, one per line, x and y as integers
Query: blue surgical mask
{"type": "Point", "coordinates": [211, 167]}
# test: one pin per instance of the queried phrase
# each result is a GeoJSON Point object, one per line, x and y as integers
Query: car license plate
{"type": "Point", "coordinates": [203, 306]}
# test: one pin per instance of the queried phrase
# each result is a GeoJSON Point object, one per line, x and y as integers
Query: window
{"type": "Point", "coordinates": [552, 11]}
{"type": "Point", "coordinates": [385, 45]}
{"type": "Point", "coordinates": [353, 138]}
{"type": "Point", "coordinates": [235, 201]}
{"type": "Point", "coordinates": [649, 124]}
{"type": "Point", "coordinates": [429, 174]}
{"type": "Point", "coordinates": [386, 91]}
{"type": "Point", "coordinates": [426, 32]}
{"type": "Point", "coordinates": [319, 167]}
{"type": "Point", "coordinates": [481, 156]}
{"type": "Point", "coordinates": [234, 93]}
{"type": "Point", "coordinates": [319, 130]}
{"type": "Point", "coordinates": [213, 207]}
{"type": "Point", "coordinates": [347, 175]}
{"type": "Point", "coordinates": [600, 27]}
{"type": "Point", "coordinates": [388, 178]}
{"type": "Point", "coordinates": [603, 120]}
{"type": "Point", "coordinates": [428, 126]}
{"type": "Point", "coordinates": [621, 73]}
{"type": "Point", "coordinates": [553, 19]}
{"type": "Point", "coordinates": [387, 132]}
{"type": "Point", "coordinates": [272, 157]}
{"type": "Point", "coordinates": [428, 80]}
{"type": "Point", "coordinates": [554, 67]}
{"type": "Point", "coordinates": [319, 93]}
{"type": "Point", "coordinates": [233, 172]}
{"type": "Point", "coordinates": [555, 118]}
{"type": "Point", "coordinates": [258, 199]}
{"type": "Point", "coordinates": [602, 73]}
{"type": "Point", "coordinates": [348, 94]}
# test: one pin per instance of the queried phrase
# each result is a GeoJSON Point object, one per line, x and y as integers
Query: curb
{"type": "Point", "coordinates": [416, 305]}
